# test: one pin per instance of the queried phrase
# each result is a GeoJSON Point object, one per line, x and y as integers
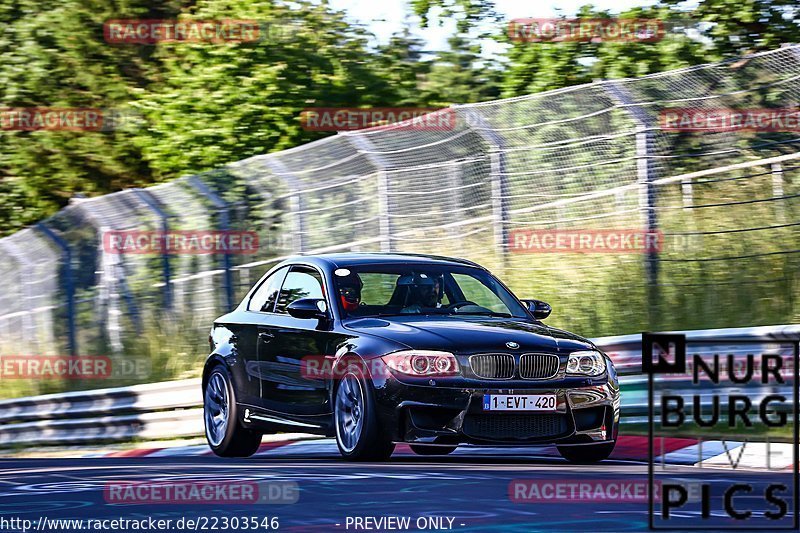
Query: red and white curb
{"type": "Point", "coordinates": [673, 451]}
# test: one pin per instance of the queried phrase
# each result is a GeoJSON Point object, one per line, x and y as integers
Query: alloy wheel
{"type": "Point", "coordinates": [350, 405]}
{"type": "Point", "coordinates": [216, 409]}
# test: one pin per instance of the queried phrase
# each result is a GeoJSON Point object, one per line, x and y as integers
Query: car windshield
{"type": "Point", "coordinates": [418, 289]}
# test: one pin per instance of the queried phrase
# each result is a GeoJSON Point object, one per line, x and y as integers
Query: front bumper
{"type": "Point", "coordinates": [427, 414]}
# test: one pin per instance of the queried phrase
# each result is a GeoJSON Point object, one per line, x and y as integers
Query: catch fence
{"type": "Point", "coordinates": [589, 158]}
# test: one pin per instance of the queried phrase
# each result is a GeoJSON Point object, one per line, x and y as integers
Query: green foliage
{"type": "Point", "coordinates": [541, 66]}
{"type": "Point", "coordinates": [217, 104]}
{"type": "Point", "coordinates": [203, 106]}
{"type": "Point", "coordinates": [54, 56]}
{"type": "Point", "coordinates": [738, 27]}
{"type": "Point", "coordinates": [467, 13]}
{"type": "Point", "coordinates": [200, 106]}
{"type": "Point", "coordinates": [459, 75]}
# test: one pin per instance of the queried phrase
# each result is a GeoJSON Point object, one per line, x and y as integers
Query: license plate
{"type": "Point", "coordinates": [519, 402]}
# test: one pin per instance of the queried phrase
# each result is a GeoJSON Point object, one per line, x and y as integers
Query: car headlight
{"type": "Point", "coordinates": [422, 363]}
{"type": "Point", "coordinates": [586, 363]}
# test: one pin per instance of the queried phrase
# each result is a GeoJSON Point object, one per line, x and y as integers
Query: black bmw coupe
{"type": "Point", "coordinates": [378, 349]}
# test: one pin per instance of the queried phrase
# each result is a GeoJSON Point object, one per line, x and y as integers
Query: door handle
{"type": "Point", "coordinates": [265, 337]}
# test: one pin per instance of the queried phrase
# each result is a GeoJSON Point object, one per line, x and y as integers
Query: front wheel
{"type": "Point", "coordinates": [225, 436]}
{"type": "Point", "coordinates": [358, 433]}
{"type": "Point", "coordinates": [588, 453]}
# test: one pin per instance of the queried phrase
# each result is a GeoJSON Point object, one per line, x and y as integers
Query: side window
{"type": "Point", "coordinates": [267, 294]}
{"type": "Point", "coordinates": [301, 282]}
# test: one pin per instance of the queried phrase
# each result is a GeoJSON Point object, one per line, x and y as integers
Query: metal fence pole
{"type": "Point", "coordinates": [163, 217]}
{"type": "Point", "coordinates": [69, 284]}
{"type": "Point", "coordinates": [646, 174]}
{"type": "Point", "coordinates": [365, 147]}
{"type": "Point", "coordinates": [224, 225]}
{"type": "Point", "coordinates": [296, 202]}
{"type": "Point", "coordinates": [499, 181]}
{"type": "Point", "coordinates": [777, 190]}
{"type": "Point", "coordinates": [114, 275]}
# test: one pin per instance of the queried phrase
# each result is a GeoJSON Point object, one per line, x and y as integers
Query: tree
{"type": "Point", "coordinates": [402, 65]}
{"type": "Point", "coordinates": [460, 75]}
{"type": "Point", "coordinates": [468, 13]}
{"type": "Point", "coordinates": [54, 55]}
{"type": "Point", "coordinates": [219, 104]}
{"type": "Point", "coordinates": [739, 27]}
{"type": "Point", "coordinates": [540, 66]}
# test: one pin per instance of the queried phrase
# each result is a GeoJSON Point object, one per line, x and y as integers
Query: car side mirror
{"type": "Point", "coordinates": [539, 309]}
{"type": "Point", "coordinates": [308, 308]}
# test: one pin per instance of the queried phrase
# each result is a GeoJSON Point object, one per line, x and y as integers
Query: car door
{"type": "Point", "coordinates": [260, 309]}
{"type": "Point", "coordinates": [287, 342]}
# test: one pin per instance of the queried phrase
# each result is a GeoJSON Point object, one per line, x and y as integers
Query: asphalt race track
{"type": "Point", "coordinates": [472, 490]}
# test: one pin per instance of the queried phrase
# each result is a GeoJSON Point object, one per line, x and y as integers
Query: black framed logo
{"type": "Point", "coordinates": [663, 353]}
{"type": "Point", "coordinates": [722, 433]}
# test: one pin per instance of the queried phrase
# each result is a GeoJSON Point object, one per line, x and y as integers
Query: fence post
{"type": "Point", "coordinates": [687, 193]}
{"type": "Point", "coordinates": [777, 189]}
{"type": "Point", "coordinates": [499, 182]}
{"type": "Point", "coordinates": [163, 217]}
{"type": "Point", "coordinates": [646, 174]}
{"type": "Point", "coordinates": [224, 225]}
{"type": "Point", "coordinates": [453, 184]}
{"type": "Point", "coordinates": [363, 145]}
{"type": "Point", "coordinates": [69, 284]}
{"type": "Point", "coordinates": [115, 276]}
{"type": "Point", "coordinates": [296, 203]}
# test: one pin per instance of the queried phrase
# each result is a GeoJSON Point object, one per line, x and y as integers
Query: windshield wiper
{"type": "Point", "coordinates": [381, 315]}
{"type": "Point", "coordinates": [486, 313]}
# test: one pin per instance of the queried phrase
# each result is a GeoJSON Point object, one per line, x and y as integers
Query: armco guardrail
{"type": "Point", "coordinates": [173, 408]}
{"type": "Point", "coordinates": [149, 411]}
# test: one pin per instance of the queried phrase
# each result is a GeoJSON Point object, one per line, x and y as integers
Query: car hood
{"type": "Point", "coordinates": [470, 335]}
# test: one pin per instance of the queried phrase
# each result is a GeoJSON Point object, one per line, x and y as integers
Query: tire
{"type": "Point", "coordinates": [359, 435]}
{"type": "Point", "coordinates": [587, 454]}
{"type": "Point", "coordinates": [224, 434]}
{"type": "Point", "coordinates": [432, 450]}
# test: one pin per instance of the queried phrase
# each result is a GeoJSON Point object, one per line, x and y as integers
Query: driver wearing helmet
{"type": "Point", "coordinates": [425, 292]}
{"type": "Point", "coordinates": [350, 292]}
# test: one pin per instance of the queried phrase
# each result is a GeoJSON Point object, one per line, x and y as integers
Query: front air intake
{"type": "Point", "coordinates": [493, 365]}
{"type": "Point", "coordinates": [538, 366]}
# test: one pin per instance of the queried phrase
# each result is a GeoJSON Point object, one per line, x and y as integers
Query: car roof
{"type": "Point", "coordinates": [335, 260]}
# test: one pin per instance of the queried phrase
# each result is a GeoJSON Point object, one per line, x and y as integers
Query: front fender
{"type": "Point", "coordinates": [366, 352]}
{"type": "Point", "coordinates": [212, 360]}
{"type": "Point", "coordinates": [223, 351]}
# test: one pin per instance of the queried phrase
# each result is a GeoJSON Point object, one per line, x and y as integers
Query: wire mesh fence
{"type": "Point", "coordinates": [583, 159]}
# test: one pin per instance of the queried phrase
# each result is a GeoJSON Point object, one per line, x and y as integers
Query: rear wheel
{"type": "Point", "coordinates": [585, 454]}
{"type": "Point", "coordinates": [225, 436]}
{"type": "Point", "coordinates": [431, 450]}
{"type": "Point", "coordinates": [358, 432]}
